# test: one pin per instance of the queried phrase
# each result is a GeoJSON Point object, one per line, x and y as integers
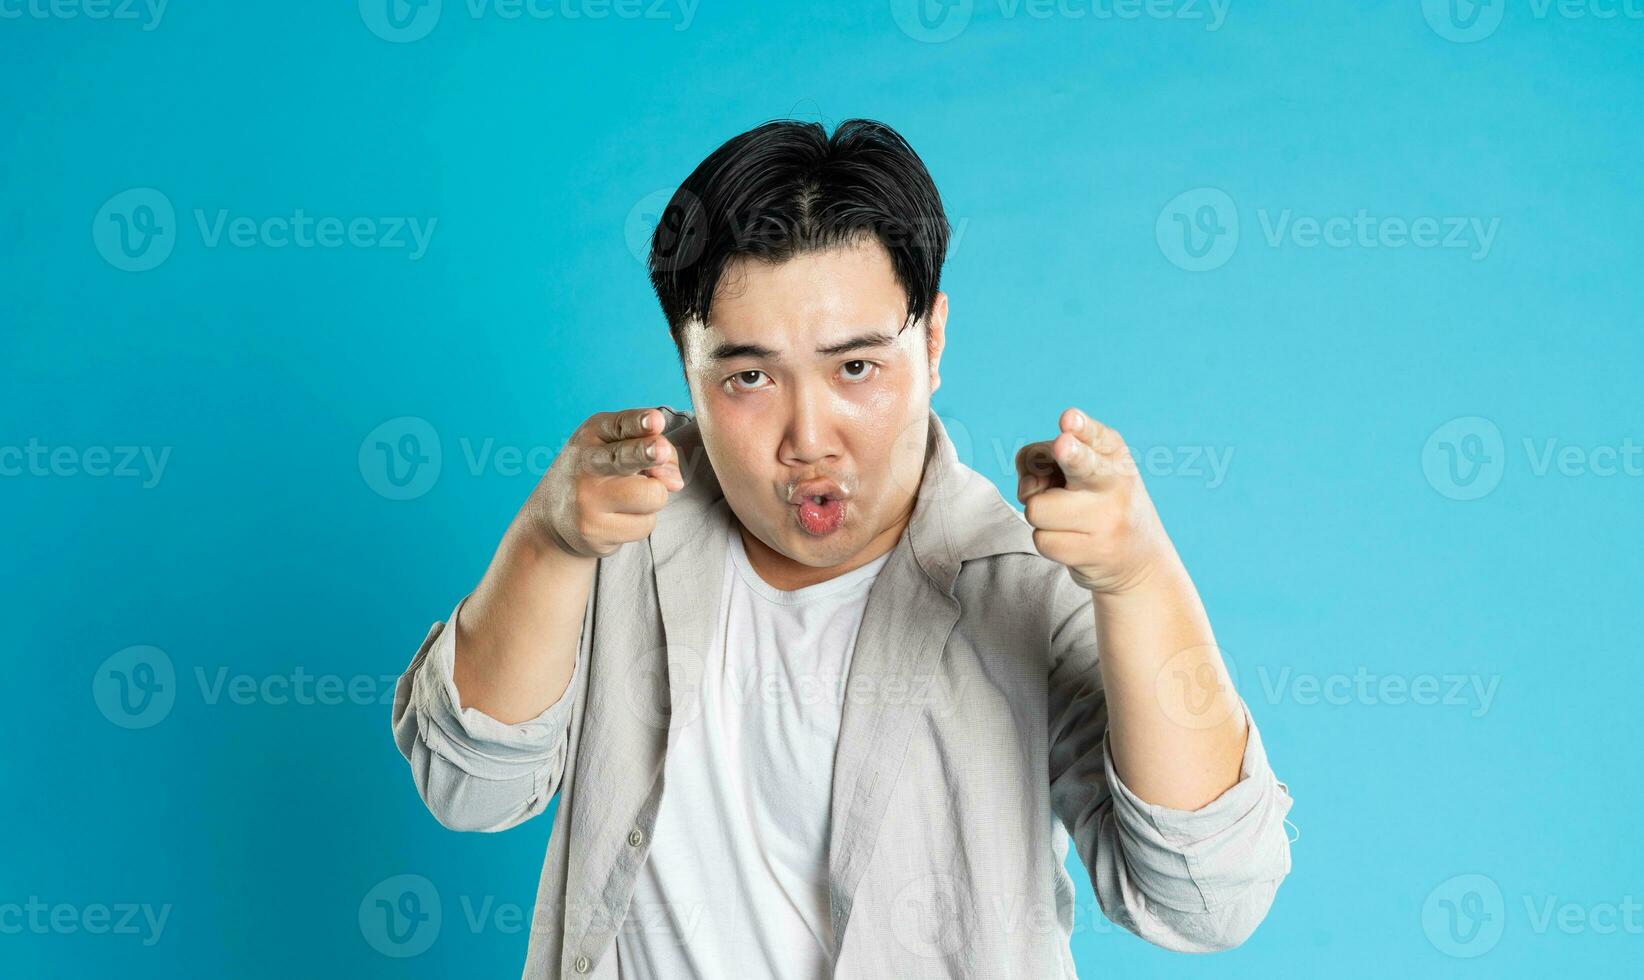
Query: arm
{"type": "Point", "coordinates": [518, 632]}
{"type": "Point", "coordinates": [474, 772]}
{"type": "Point", "coordinates": [1180, 822]}
{"type": "Point", "coordinates": [1191, 880]}
{"type": "Point", "coordinates": [483, 712]}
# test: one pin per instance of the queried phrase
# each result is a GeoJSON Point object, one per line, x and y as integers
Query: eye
{"type": "Point", "coordinates": [865, 369]}
{"type": "Point", "coordinates": [731, 382]}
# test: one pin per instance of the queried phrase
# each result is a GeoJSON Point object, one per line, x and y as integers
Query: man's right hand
{"type": "Point", "coordinates": [603, 490]}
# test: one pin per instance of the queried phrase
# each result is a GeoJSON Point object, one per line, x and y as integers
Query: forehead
{"type": "Point", "coordinates": [810, 300]}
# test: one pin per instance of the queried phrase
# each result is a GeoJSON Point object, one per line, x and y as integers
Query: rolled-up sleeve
{"type": "Point", "coordinates": [1187, 880]}
{"type": "Point", "coordinates": [472, 771]}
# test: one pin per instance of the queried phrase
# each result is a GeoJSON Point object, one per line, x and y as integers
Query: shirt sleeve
{"type": "Point", "coordinates": [472, 771]}
{"type": "Point", "coordinates": [1187, 880]}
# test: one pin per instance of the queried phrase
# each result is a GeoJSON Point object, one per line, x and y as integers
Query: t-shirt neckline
{"type": "Point", "coordinates": [792, 597]}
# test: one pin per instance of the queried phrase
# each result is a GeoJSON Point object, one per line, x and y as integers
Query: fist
{"type": "Point", "coordinates": [1090, 512]}
{"type": "Point", "coordinates": [607, 485]}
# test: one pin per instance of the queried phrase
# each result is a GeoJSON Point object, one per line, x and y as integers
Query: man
{"type": "Point", "coordinates": [817, 701]}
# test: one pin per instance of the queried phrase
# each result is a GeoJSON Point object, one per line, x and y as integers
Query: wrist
{"type": "Point", "coordinates": [536, 544]}
{"type": "Point", "coordinates": [1149, 583]}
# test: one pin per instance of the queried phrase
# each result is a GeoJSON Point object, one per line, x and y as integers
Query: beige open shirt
{"type": "Point", "coordinates": [972, 745]}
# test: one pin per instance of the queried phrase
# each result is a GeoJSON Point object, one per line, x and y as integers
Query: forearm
{"type": "Point", "coordinates": [1176, 728]}
{"type": "Point", "coordinates": [518, 634]}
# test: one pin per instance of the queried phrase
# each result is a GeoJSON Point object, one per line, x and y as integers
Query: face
{"type": "Point", "coordinates": [805, 374]}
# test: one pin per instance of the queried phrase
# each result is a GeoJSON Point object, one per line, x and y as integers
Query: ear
{"type": "Point", "coordinates": [936, 337]}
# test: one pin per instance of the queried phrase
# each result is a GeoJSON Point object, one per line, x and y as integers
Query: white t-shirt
{"type": "Point", "coordinates": [736, 882]}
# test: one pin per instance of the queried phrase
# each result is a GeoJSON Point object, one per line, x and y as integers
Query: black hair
{"type": "Point", "coordinates": [785, 188]}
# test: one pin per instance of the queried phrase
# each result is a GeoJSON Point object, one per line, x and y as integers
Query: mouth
{"type": "Point", "coordinates": [819, 507]}
{"type": "Point", "coordinates": [816, 489]}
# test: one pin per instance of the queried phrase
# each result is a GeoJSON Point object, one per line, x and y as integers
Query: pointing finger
{"type": "Point", "coordinates": [625, 425]}
{"type": "Point", "coordinates": [1092, 433]}
{"type": "Point", "coordinates": [630, 456]}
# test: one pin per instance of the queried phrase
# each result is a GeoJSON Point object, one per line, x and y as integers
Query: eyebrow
{"type": "Point", "coordinates": [727, 350]}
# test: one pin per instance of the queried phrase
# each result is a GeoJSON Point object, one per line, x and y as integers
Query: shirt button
{"type": "Point", "coordinates": [636, 837]}
{"type": "Point", "coordinates": [581, 964]}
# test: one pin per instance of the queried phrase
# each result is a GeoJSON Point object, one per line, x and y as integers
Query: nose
{"type": "Point", "coordinates": [812, 434]}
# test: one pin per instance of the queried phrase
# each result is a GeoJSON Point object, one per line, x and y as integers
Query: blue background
{"type": "Point", "coordinates": [1338, 541]}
